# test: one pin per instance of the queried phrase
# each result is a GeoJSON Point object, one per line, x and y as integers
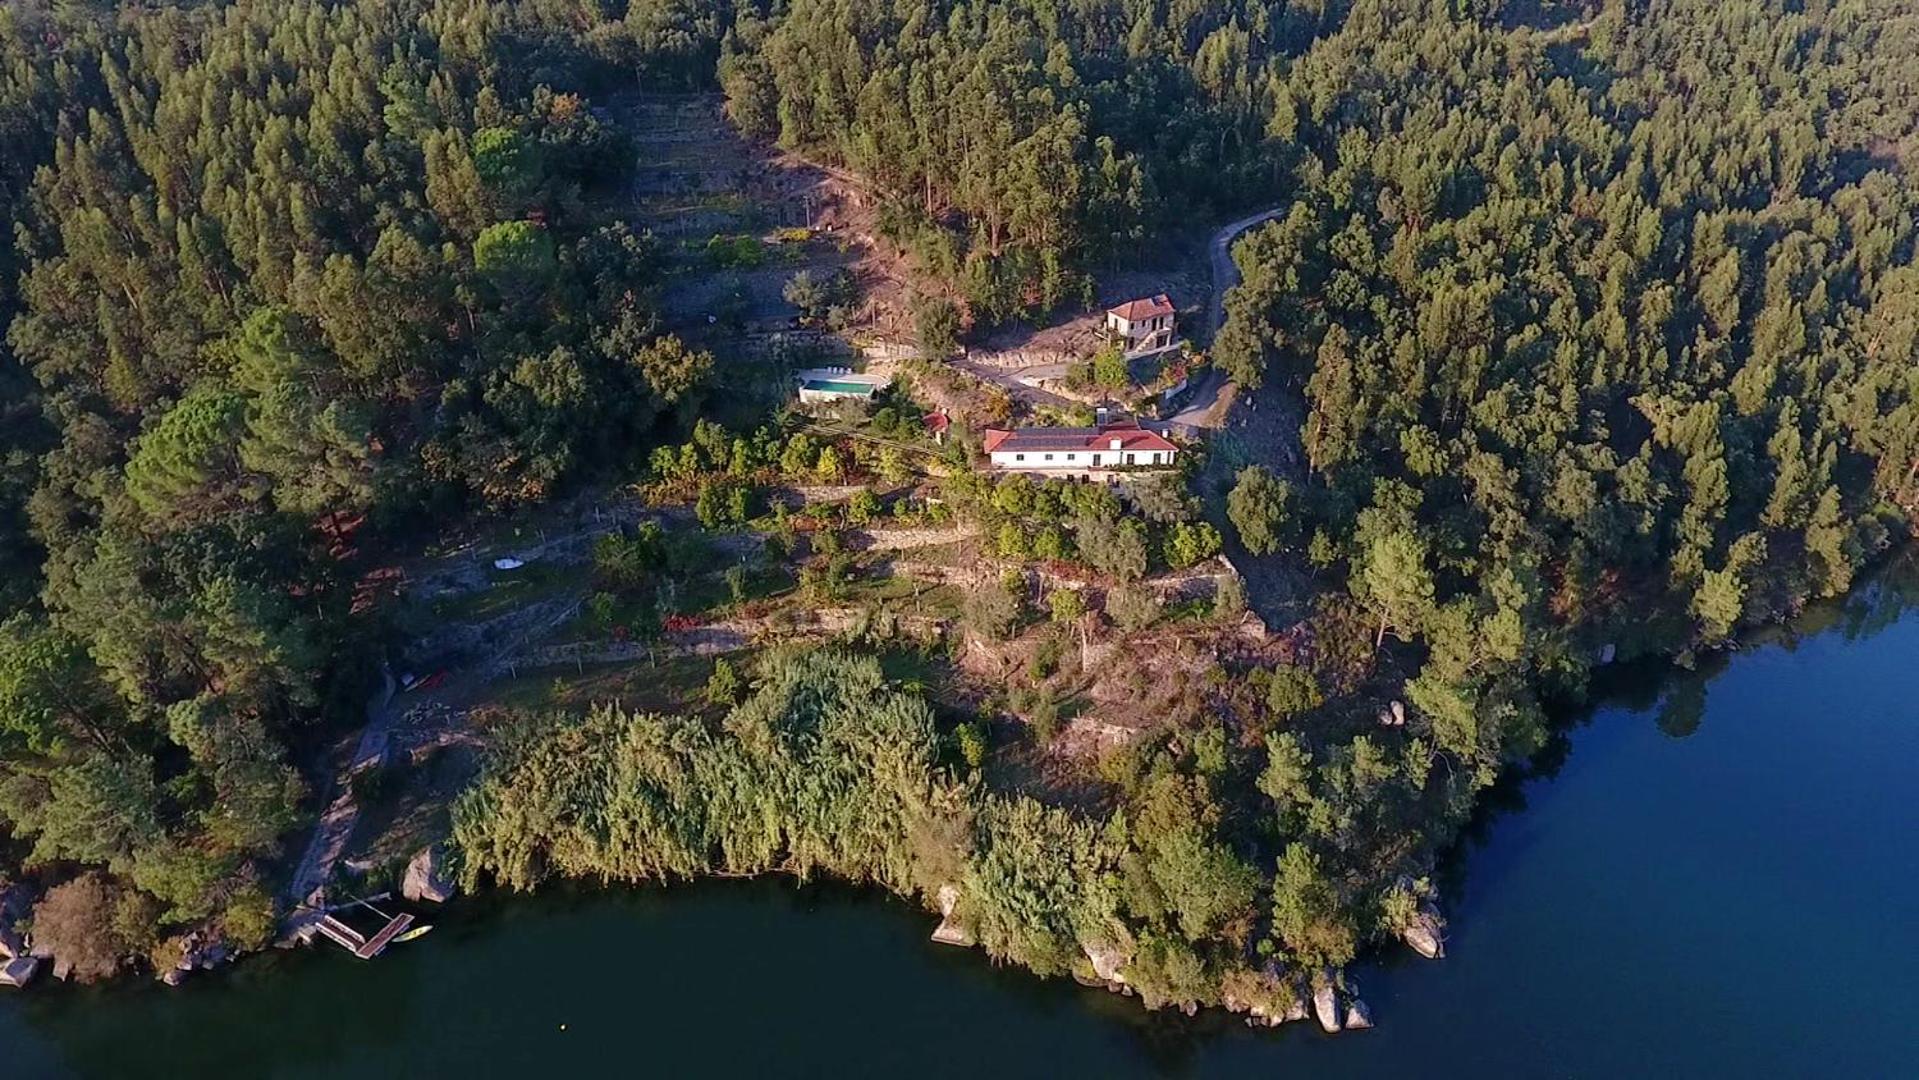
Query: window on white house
{"type": "Point", "coordinates": [1071, 457]}
{"type": "Point", "coordinates": [1019, 457]}
{"type": "Point", "coordinates": [1129, 459]}
{"type": "Point", "coordinates": [1049, 457]}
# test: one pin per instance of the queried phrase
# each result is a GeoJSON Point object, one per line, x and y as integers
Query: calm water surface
{"type": "Point", "coordinates": [1718, 876]}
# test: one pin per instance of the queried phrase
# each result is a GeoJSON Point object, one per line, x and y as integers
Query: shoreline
{"type": "Point", "coordinates": [1625, 678]}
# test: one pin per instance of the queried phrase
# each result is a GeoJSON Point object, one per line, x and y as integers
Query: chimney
{"type": "Point", "coordinates": [1116, 443]}
{"type": "Point", "coordinates": [1099, 414]}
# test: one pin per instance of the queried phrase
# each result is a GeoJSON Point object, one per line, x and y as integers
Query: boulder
{"type": "Point", "coordinates": [1607, 652]}
{"type": "Point", "coordinates": [1399, 714]}
{"type": "Point", "coordinates": [1108, 960]}
{"type": "Point", "coordinates": [426, 878]}
{"type": "Point", "coordinates": [16, 903]}
{"type": "Point", "coordinates": [1326, 1007]}
{"type": "Point", "coordinates": [1269, 998]}
{"type": "Point", "coordinates": [1427, 933]}
{"type": "Point", "coordinates": [19, 971]}
{"type": "Point", "coordinates": [199, 950]}
{"type": "Point", "coordinates": [1274, 1015]}
{"type": "Point", "coordinates": [205, 952]}
{"type": "Point", "coordinates": [1358, 1016]}
{"type": "Point", "coordinates": [13, 944]}
{"type": "Point", "coordinates": [950, 932]}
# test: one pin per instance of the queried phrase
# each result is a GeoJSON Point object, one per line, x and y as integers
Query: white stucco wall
{"type": "Point", "coordinates": [1077, 459]}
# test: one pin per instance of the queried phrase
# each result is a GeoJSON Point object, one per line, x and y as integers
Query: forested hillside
{"type": "Point", "coordinates": [1607, 335]}
{"type": "Point", "coordinates": [282, 276]}
{"type": "Point", "coordinates": [1020, 142]}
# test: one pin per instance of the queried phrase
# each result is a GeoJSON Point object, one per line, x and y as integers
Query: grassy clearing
{"type": "Point", "coordinates": [905, 596]}
{"type": "Point", "coordinates": [666, 685]}
{"type": "Point", "coordinates": [510, 589]}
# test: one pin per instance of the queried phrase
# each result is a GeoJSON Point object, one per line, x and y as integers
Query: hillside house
{"type": "Point", "coordinates": [1143, 326]}
{"type": "Point", "coordinates": [1118, 444]}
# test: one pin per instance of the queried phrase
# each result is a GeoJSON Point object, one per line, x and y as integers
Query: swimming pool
{"type": "Point", "coordinates": [838, 386]}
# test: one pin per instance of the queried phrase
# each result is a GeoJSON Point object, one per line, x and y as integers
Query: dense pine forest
{"type": "Point", "coordinates": [1604, 320]}
{"type": "Point", "coordinates": [1606, 335]}
{"type": "Point", "coordinates": [285, 280]}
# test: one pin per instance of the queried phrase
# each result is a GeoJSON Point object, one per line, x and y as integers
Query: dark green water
{"type": "Point", "coordinates": [1720, 877]}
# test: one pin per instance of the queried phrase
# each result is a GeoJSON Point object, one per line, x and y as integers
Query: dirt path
{"type": "Point", "coordinates": [463, 568]}
{"type": "Point", "coordinates": [1009, 378]}
{"type": "Point", "coordinates": [335, 825]}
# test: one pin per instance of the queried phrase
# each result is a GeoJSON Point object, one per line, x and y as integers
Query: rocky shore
{"type": "Point", "coordinates": [1267, 997]}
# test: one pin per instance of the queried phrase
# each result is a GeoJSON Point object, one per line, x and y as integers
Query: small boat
{"type": "Point", "coordinates": [414, 934]}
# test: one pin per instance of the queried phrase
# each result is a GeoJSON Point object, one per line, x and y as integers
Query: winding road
{"type": "Point", "coordinates": [1219, 254]}
{"type": "Point", "coordinates": [1204, 398]}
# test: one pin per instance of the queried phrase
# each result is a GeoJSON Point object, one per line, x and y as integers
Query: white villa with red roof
{"type": "Point", "coordinates": [1118, 444]}
{"type": "Point", "coordinates": [1144, 326]}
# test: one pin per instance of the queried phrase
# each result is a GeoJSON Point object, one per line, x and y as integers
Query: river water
{"type": "Point", "coordinates": [1717, 874]}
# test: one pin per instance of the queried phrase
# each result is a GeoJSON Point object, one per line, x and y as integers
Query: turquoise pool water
{"type": "Point", "coordinates": [836, 386]}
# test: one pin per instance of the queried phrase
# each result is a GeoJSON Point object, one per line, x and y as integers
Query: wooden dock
{"type": "Point", "coordinates": [366, 948]}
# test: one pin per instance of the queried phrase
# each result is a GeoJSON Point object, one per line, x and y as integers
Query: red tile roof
{"type": "Point", "coordinates": [1025, 440]}
{"type": "Point", "coordinates": [1141, 310]}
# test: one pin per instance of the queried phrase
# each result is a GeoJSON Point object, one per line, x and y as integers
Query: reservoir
{"type": "Point", "coordinates": [1716, 872]}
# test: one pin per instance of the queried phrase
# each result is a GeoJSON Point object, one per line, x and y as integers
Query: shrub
{"type": "Point", "coordinates": [735, 252]}
{"type": "Point", "coordinates": [1229, 597]}
{"type": "Point", "coordinates": [1067, 605]}
{"type": "Point", "coordinates": [1131, 607]}
{"type": "Point", "coordinates": [76, 923]}
{"type": "Point", "coordinates": [936, 321]}
{"type": "Point", "coordinates": [992, 612]}
{"type": "Point", "coordinates": [627, 562]}
{"type": "Point", "coordinates": [1045, 661]}
{"type": "Point", "coordinates": [1109, 368]}
{"type": "Point", "coordinates": [724, 687]}
{"type": "Point", "coordinates": [1051, 543]}
{"type": "Point", "coordinates": [1291, 691]}
{"type": "Point", "coordinates": [724, 502]}
{"type": "Point", "coordinates": [250, 918]}
{"type": "Point", "coordinates": [829, 467]}
{"type": "Point", "coordinates": [1011, 541]}
{"type": "Point", "coordinates": [1043, 717]}
{"type": "Point", "coordinates": [970, 738]}
{"type": "Point", "coordinates": [712, 506]}
{"type": "Point", "coordinates": [1257, 507]}
{"type": "Point", "coordinates": [1190, 544]}
{"type": "Point", "coordinates": [1111, 545]}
